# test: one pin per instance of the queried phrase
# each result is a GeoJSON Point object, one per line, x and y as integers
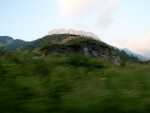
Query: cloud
{"type": "Point", "coordinates": [138, 43]}
{"type": "Point", "coordinates": [111, 7]}
{"type": "Point", "coordinates": [79, 11]}
{"type": "Point", "coordinates": [73, 7]}
{"type": "Point", "coordinates": [106, 19]}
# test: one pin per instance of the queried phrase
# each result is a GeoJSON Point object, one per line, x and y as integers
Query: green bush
{"type": "Point", "coordinates": [3, 51]}
{"type": "Point", "coordinates": [83, 61]}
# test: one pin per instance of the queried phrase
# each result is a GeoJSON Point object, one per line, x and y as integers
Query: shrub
{"type": "Point", "coordinates": [2, 51]}
{"type": "Point", "coordinates": [84, 61]}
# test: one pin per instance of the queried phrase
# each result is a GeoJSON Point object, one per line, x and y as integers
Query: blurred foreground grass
{"type": "Point", "coordinates": [30, 83]}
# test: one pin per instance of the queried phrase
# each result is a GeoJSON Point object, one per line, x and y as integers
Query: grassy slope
{"type": "Point", "coordinates": [30, 83]}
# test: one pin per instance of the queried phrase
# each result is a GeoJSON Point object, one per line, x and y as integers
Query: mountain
{"type": "Point", "coordinates": [70, 43]}
{"type": "Point", "coordinates": [57, 35]}
{"type": "Point", "coordinates": [11, 44]}
{"type": "Point", "coordinates": [76, 44]}
{"type": "Point", "coordinates": [144, 52]}
{"type": "Point", "coordinates": [125, 57]}
{"type": "Point", "coordinates": [140, 57]}
{"type": "Point", "coordinates": [5, 40]}
{"type": "Point", "coordinates": [41, 41]}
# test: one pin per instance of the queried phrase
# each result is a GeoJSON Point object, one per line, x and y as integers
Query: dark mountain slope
{"type": "Point", "coordinates": [5, 40]}
{"type": "Point", "coordinates": [41, 41]}
{"type": "Point", "coordinates": [11, 44]}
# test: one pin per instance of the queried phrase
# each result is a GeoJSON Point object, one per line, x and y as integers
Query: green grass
{"type": "Point", "coordinates": [32, 83]}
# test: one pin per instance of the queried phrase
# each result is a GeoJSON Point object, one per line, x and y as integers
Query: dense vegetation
{"type": "Point", "coordinates": [3, 51]}
{"type": "Point", "coordinates": [33, 83]}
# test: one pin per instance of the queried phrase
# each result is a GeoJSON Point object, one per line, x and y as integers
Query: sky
{"type": "Point", "coordinates": [121, 23]}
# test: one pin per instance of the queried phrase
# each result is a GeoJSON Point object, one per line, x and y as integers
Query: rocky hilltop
{"type": "Point", "coordinates": [83, 45]}
{"type": "Point", "coordinates": [69, 41]}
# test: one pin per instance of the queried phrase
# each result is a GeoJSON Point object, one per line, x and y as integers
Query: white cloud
{"type": "Point", "coordinates": [73, 7]}
{"type": "Point", "coordinates": [105, 18]}
{"type": "Point", "coordinates": [111, 8]}
{"type": "Point", "coordinates": [80, 11]}
{"type": "Point", "coordinates": [138, 43]}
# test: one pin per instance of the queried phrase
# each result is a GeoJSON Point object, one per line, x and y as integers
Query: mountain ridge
{"type": "Point", "coordinates": [62, 38]}
{"type": "Point", "coordinates": [140, 57]}
{"type": "Point", "coordinates": [11, 44]}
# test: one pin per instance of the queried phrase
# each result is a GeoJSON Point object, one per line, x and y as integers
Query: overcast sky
{"type": "Point", "coordinates": [122, 23]}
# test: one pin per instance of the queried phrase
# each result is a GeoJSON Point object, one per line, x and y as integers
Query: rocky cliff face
{"type": "Point", "coordinates": [86, 46]}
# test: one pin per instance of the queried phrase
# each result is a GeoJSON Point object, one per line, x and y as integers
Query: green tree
{"type": "Point", "coordinates": [3, 51]}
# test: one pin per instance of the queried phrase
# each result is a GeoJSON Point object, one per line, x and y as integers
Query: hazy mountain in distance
{"type": "Point", "coordinates": [11, 44]}
{"type": "Point", "coordinates": [140, 45]}
{"type": "Point", "coordinates": [140, 57]}
{"type": "Point", "coordinates": [5, 40]}
{"type": "Point", "coordinates": [144, 52]}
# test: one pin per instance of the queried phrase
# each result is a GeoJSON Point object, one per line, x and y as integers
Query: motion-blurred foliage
{"type": "Point", "coordinates": [32, 83]}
